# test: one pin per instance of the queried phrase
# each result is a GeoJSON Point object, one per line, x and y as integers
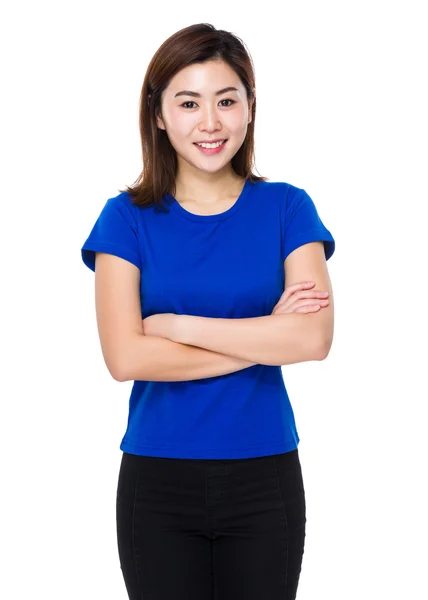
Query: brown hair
{"type": "Point", "coordinates": [194, 44]}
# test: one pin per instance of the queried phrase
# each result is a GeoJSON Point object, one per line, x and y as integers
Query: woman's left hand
{"type": "Point", "coordinates": [161, 325]}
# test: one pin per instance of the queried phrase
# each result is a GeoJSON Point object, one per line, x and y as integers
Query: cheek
{"type": "Point", "coordinates": [173, 119]}
{"type": "Point", "coordinates": [178, 130]}
{"type": "Point", "coordinates": [236, 122]}
{"type": "Point", "coordinates": [182, 126]}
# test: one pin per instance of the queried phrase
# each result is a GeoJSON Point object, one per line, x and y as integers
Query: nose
{"type": "Point", "coordinates": [209, 120]}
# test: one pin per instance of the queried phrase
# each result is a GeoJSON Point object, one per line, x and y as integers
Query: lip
{"type": "Point", "coordinates": [209, 151]}
{"type": "Point", "coordinates": [210, 141]}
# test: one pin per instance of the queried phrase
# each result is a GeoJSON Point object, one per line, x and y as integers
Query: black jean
{"type": "Point", "coordinates": [193, 529]}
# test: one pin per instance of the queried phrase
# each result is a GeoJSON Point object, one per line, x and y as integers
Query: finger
{"type": "Point", "coordinates": [301, 309]}
{"type": "Point", "coordinates": [296, 286]}
{"type": "Point", "coordinates": [312, 294]}
{"type": "Point", "coordinates": [292, 289]}
{"type": "Point", "coordinates": [305, 294]}
{"type": "Point", "coordinates": [306, 309]}
{"type": "Point", "coordinates": [311, 302]}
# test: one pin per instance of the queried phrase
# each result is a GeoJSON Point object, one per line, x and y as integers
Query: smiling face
{"type": "Point", "coordinates": [196, 107]}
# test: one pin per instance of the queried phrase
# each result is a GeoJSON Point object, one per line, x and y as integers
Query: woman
{"type": "Point", "coordinates": [210, 499]}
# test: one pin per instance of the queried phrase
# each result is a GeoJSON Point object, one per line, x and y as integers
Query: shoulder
{"type": "Point", "coordinates": [285, 193]}
{"type": "Point", "coordinates": [123, 199]}
{"type": "Point", "coordinates": [121, 205]}
{"type": "Point", "coordinates": [280, 188]}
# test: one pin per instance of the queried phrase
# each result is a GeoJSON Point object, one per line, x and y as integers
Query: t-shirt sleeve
{"type": "Point", "coordinates": [115, 232]}
{"type": "Point", "coordinates": [302, 224]}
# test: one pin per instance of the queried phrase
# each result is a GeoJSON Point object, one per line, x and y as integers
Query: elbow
{"type": "Point", "coordinates": [117, 365]}
{"type": "Point", "coordinates": [113, 361]}
{"type": "Point", "coordinates": [323, 348]}
{"type": "Point", "coordinates": [116, 371]}
{"type": "Point", "coordinates": [121, 369]}
{"type": "Point", "coordinates": [124, 363]}
{"type": "Point", "coordinates": [118, 376]}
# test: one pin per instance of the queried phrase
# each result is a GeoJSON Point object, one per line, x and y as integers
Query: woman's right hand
{"type": "Point", "coordinates": [298, 298]}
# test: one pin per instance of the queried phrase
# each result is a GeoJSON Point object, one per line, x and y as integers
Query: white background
{"type": "Point", "coordinates": [341, 112]}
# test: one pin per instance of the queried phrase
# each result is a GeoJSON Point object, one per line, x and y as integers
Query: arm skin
{"type": "Point", "coordinates": [275, 340]}
{"type": "Point", "coordinates": [153, 358]}
{"type": "Point", "coordinates": [279, 339]}
{"type": "Point", "coordinates": [271, 340]}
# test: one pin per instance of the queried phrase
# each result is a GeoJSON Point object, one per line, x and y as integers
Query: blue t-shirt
{"type": "Point", "coordinates": [231, 266]}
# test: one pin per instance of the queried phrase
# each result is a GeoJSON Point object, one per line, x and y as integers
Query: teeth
{"type": "Point", "coordinates": [216, 145]}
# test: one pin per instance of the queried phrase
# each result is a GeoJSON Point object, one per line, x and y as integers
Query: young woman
{"type": "Point", "coordinates": [210, 499]}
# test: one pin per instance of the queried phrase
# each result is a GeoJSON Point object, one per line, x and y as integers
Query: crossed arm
{"type": "Point", "coordinates": [270, 340]}
{"type": "Point", "coordinates": [278, 339]}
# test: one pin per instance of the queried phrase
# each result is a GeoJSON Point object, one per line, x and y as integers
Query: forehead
{"type": "Point", "coordinates": [205, 79]}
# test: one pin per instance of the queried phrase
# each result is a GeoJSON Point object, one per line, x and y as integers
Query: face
{"type": "Point", "coordinates": [204, 114]}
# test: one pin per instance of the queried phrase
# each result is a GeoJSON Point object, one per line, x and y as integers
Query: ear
{"type": "Point", "coordinates": [159, 121]}
{"type": "Point", "coordinates": [250, 108]}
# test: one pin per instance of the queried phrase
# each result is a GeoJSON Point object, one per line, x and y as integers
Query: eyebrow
{"type": "Point", "coordinates": [197, 95]}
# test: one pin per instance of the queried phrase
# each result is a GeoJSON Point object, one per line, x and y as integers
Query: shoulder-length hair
{"type": "Point", "coordinates": [194, 44]}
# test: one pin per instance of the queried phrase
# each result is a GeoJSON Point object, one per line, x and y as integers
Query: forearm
{"type": "Point", "coordinates": [152, 358]}
{"type": "Point", "coordinates": [271, 340]}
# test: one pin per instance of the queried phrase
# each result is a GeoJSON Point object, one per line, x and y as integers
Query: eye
{"type": "Point", "coordinates": [224, 100]}
{"type": "Point", "coordinates": [228, 100]}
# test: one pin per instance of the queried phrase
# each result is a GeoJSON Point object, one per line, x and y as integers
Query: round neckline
{"type": "Point", "coordinates": [175, 205]}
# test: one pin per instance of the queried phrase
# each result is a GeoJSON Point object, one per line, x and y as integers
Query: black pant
{"type": "Point", "coordinates": [193, 529]}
